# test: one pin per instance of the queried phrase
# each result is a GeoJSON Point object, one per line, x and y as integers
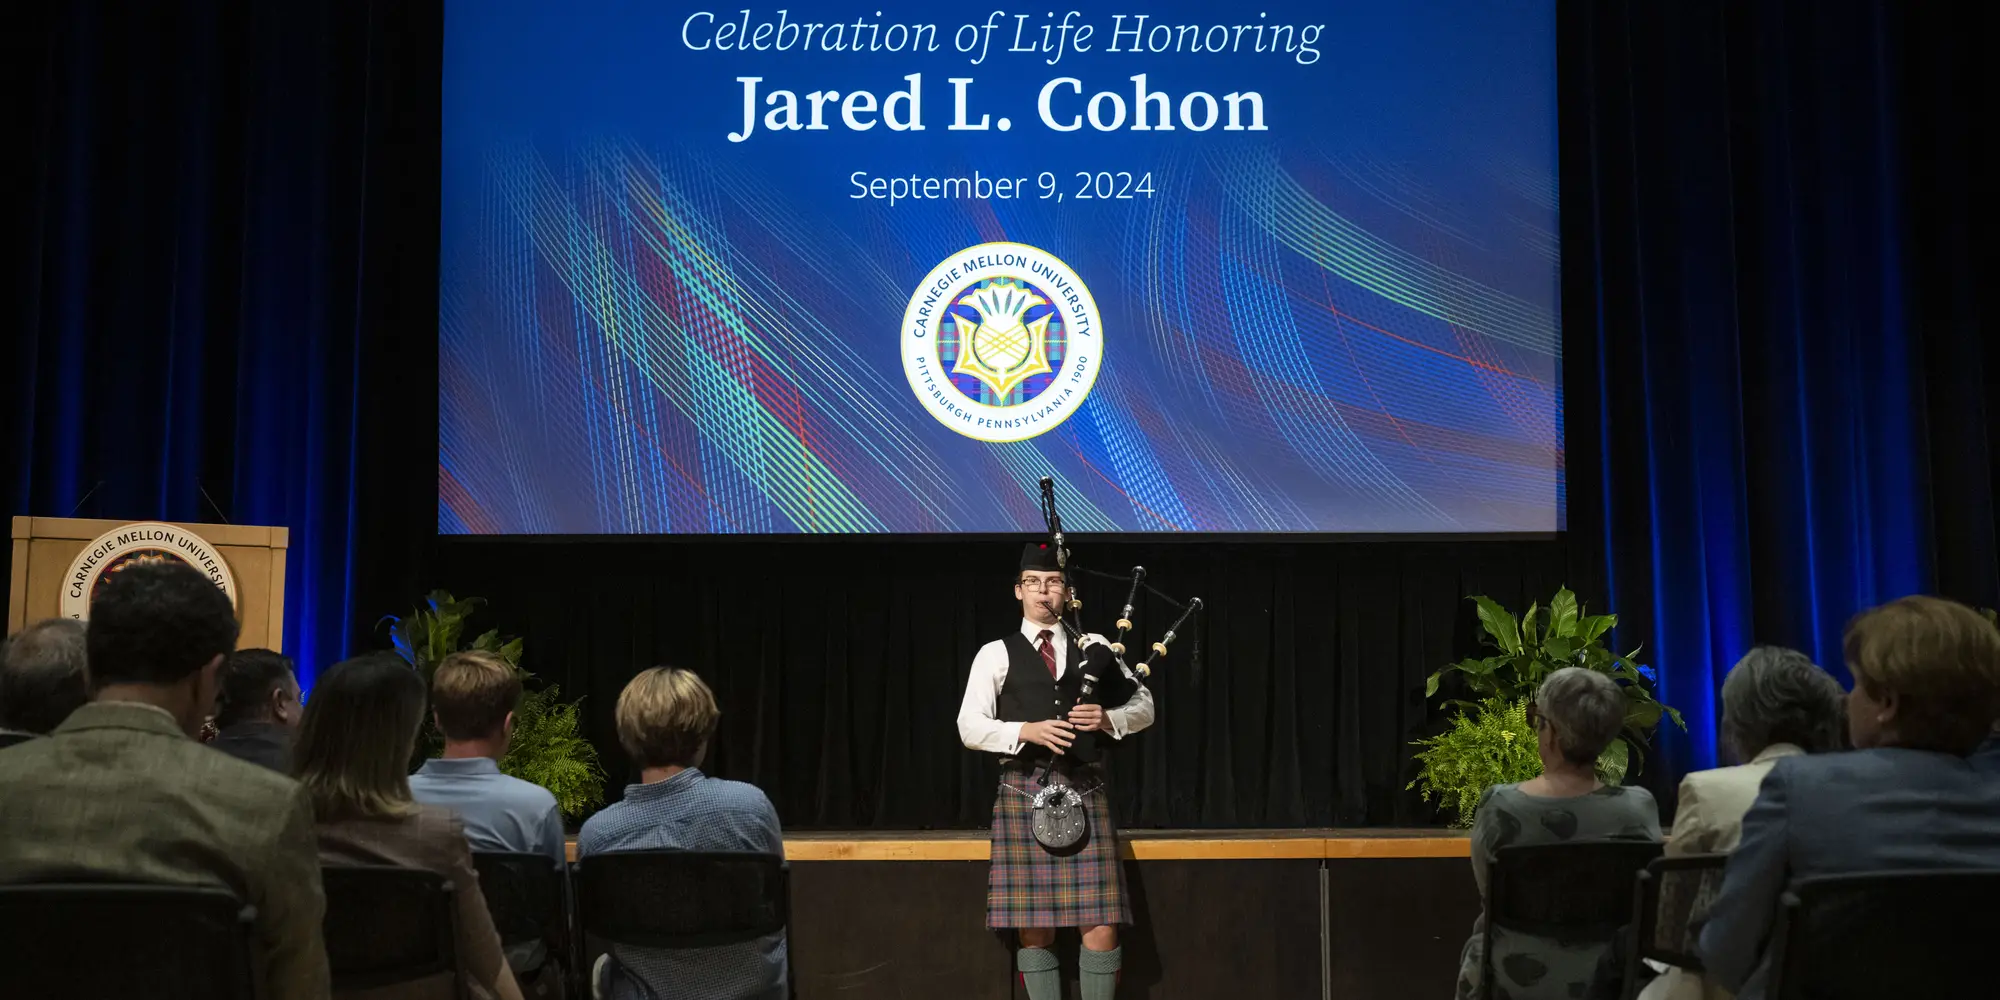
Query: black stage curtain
{"type": "Point", "coordinates": [840, 665]}
{"type": "Point", "coordinates": [1783, 399]}
{"type": "Point", "coordinates": [219, 256]}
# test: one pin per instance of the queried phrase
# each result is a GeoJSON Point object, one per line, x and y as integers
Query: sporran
{"type": "Point", "coordinates": [1058, 816]}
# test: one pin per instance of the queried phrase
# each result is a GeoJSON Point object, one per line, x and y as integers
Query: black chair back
{"type": "Point", "coordinates": [1673, 894]}
{"type": "Point", "coordinates": [105, 940]}
{"type": "Point", "coordinates": [524, 893]}
{"type": "Point", "coordinates": [1579, 891]}
{"type": "Point", "coordinates": [1883, 934]}
{"type": "Point", "coordinates": [682, 899]}
{"type": "Point", "coordinates": [386, 925]}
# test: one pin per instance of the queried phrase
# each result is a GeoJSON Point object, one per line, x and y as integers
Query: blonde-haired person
{"type": "Point", "coordinates": [1776, 703]}
{"type": "Point", "coordinates": [666, 719]}
{"type": "Point", "coordinates": [1926, 692]}
{"type": "Point", "coordinates": [1576, 714]}
{"type": "Point", "coordinates": [353, 756]}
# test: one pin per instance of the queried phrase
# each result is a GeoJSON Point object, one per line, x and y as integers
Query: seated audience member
{"type": "Point", "coordinates": [666, 718]}
{"type": "Point", "coordinates": [1776, 703]}
{"type": "Point", "coordinates": [1576, 714]}
{"type": "Point", "coordinates": [1926, 692]}
{"type": "Point", "coordinates": [121, 791]}
{"type": "Point", "coordinates": [257, 709]}
{"type": "Point", "coordinates": [473, 696]}
{"type": "Point", "coordinates": [42, 679]}
{"type": "Point", "coordinates": [1987, 757]}
{"type": "Point", "coordinates": [353, 756]}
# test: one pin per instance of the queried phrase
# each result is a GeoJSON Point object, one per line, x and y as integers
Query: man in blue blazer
{"type": "Point", "coordinates": [1926, 694]}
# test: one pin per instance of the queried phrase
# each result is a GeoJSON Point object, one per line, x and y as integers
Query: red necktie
{"type": "Point", "coordinates": [1048, 652]}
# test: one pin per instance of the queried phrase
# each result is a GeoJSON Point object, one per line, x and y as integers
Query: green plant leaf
{"type": "Point", "coordinates": [1563, 614]}
{"type": "Point", "coordinates": [511, 652]}
{"type": "Point", "coordinates": [1642, 714]}
{"type": "Point", "coordinates": [548, 751]}
{"type": "Point", "coordinates": [1488, 744]}
{"type": "Point", "coordinates": [1567, 637]}
{"type": "Point", "coordinates": [1612, 763]}
{"type": "Point", "coordinates": [1499, 624]}
{"type": "Point", "coordinates": [1529, 672]}
{"type": "Point", "coordinates": [1590, 628]}
{"type": "Point", "coordinates": [402, 638]}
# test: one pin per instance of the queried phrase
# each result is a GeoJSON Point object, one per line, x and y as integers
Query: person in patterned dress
{"type": "Point", "coordinates": [1020, 703]}
{"type": "Point", "coordinates": [1576, 714]}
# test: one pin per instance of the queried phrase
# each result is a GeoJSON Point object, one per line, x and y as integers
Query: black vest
{"type": "Point", "coordinates": [1030, 695]}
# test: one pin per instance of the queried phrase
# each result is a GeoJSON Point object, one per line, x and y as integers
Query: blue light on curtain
{"type": "Point", "coordinates": [1760, 432]}
{"type": "Point", "coordinates": [223, 292]}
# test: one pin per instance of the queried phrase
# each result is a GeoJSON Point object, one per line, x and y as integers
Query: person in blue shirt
{"type": "Point", "coordinates": [666, 719]}
{"type": "Point", "coordinates": [473, 696]}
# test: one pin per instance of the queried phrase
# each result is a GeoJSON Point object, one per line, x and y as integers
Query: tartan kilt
{"type": "Point", "coordinates": [1029, 886]}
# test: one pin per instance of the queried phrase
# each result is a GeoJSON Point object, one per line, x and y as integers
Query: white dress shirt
{"type": "Point", "coordinates": [977, 726]}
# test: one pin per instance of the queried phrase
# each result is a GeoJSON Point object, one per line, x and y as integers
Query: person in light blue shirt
{"type": "Point", "coordinates": [666, 718]}
{"type": "Point", "coordinates": [473, 695]}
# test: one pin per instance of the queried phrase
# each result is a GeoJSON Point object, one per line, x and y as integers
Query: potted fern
{"type": "Point", "coordinates": [547, 748]}
{"type": "Point", "coordinates": [1489, 741]}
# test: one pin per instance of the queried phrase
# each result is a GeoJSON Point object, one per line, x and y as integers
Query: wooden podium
{"type": "Point", "coordinates": [45, 548]}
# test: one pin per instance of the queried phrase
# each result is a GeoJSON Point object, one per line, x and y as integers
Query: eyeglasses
{"type": "Point", "coordinates": [1534, 716]}
{"type": "Point", "coordinates": [1039, 586]}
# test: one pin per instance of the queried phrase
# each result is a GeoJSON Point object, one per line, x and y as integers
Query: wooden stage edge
{"type": "Point", "coordinates": [1138, 845]}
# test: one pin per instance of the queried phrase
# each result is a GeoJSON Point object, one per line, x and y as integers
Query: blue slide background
{"type": "Point", "coordinates": [1345, 322]}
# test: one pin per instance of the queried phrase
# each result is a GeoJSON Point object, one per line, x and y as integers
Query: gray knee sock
{"type": "Point", "coordinates": [1038, 973]}
{"type": "Point", "coordinates": [1098, 973]}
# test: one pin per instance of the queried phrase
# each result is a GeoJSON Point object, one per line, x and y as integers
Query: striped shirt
{"type": "Point", "coordinates": [692, 812]}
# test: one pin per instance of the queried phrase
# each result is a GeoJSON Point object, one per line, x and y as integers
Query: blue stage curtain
{"type": "Point", "coordinates": [221, 283]}
{"type": "Point", "coordinates": [1783, 404]}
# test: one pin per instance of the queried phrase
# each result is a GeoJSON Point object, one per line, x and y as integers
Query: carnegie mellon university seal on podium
{"type": "Point", "coordinates": [131, 544]}
{"type": "Point", "coordinates": [1002, 342]}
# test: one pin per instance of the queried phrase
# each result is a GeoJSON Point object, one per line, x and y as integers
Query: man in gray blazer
{"type": "Point", "coordinates": [121, 792]}
{"type": "Point", "coordinates": [1926, 692]}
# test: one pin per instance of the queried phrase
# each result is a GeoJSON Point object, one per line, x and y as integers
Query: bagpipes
{"type": "Point", "coordinates": [1103, 678]}
{"type": "Point", "coordinates": [1056, 811]}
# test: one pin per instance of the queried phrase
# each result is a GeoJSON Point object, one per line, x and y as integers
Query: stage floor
{"type": "Point", "coordinates": [1136, 845]}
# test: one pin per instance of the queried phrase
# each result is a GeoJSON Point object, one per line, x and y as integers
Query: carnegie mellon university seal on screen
{"type": "Point", "coordinates": [1002, 342]}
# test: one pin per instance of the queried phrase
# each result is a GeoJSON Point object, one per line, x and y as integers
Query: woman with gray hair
{"type": "Point", "coordinates": [1776, 703]}
{"type": "Point", "coordinates": [1576, 715]}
